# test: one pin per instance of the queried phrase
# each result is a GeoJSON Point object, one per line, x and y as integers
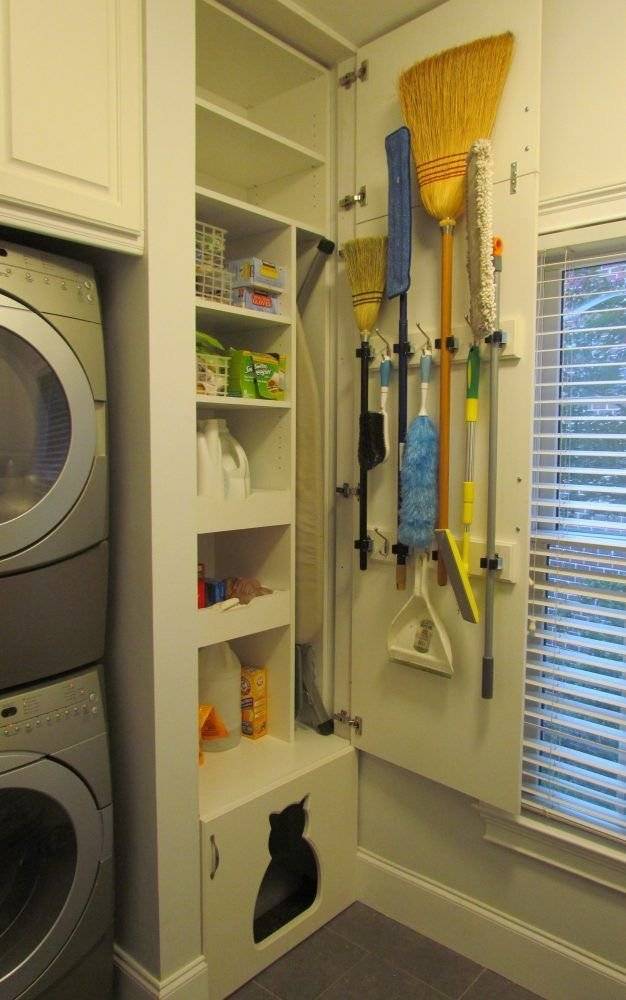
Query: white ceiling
{"type": "Point", "coordinates": [359, 21]}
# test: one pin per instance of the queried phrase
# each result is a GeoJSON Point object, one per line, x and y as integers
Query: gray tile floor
{"type": "Point", "coordinates": [362, 955]}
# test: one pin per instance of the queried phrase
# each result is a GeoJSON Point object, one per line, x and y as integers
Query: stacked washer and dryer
{"type": "Point", "coordinates": [56, 867]}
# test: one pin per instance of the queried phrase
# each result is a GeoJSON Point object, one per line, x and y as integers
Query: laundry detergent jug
{"type": "Point", "coordinates": [211, 481]}
{"type": "Point", "coordinates": [219, 689]}
{"type": "Point", "coordinates": [235, 465]}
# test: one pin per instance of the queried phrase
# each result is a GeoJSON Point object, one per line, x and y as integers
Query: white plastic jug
{"type": "Point", "coordinates": [211, 481]}
{"type": "Point", "coordinates": [235, 465]}
{"type": "Point", "coordinates": [219, 685]}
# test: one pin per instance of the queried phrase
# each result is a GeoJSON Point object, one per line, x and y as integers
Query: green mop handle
{"type": "Point", "coordinates": [471, 416]}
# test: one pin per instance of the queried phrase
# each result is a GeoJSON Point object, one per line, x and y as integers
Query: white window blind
{"type": "Point", "coordinates": [574, 759]}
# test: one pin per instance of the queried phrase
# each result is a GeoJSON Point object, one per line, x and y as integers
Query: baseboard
{"type": "Point", "coordinates": [544, 964]}
{"type": "Point", "coordinates": [133, 982]}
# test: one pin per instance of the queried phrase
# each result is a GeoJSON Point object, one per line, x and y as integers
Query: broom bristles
{"type": "Point", "coordinates": [366, 266]}
{"type": "Point", "coordinates": [448, 101]}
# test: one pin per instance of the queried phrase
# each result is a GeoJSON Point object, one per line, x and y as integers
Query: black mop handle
{"type": "Point", "coordinates": [401, 551]}
{"type": "Point", "coordinates": [362, 542]}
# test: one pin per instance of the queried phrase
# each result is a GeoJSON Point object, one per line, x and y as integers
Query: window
{"type": "Point", "coordinates": [574, 762]}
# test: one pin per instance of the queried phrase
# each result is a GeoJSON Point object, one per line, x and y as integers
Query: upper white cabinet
{"type": "Point", "coordinates": [71, 135]}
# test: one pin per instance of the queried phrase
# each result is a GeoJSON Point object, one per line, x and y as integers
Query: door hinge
{"type": "Point", "coordinates": [355, 74]}
{"type": "Point", "coordinates": [513, 178]}
{"type": "Point", "coordinates": [350, 200]}
{"type": "Point", "coordinates": [349, 720]}
{"type": "Point", "coordinates": [347, 491]}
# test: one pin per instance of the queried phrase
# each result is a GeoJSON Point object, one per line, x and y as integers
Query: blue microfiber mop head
{"type": "Point", "coordinates": [418, 477]}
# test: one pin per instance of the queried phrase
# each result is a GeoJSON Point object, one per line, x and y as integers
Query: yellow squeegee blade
{"type": "Point", "coordinates": [449, 551]}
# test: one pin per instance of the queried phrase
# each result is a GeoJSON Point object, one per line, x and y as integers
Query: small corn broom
{"type": "Point", "coordinates": [448, 101]}
{"type": "Point", "coordinates": [366, 267]}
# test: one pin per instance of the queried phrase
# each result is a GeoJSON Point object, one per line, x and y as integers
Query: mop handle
{"type": "Point", "coordinates": [496, 343]}
{"type": "Point", "coordinates": [403, 364]}
{"type": "Point", "coordinates": [363, 540]}
{"type": "Point", "coordinates": [471, 416]}
{"type": "Point", "coordinates": [445, 370]}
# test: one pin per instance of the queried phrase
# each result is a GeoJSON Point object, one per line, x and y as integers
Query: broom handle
{"type": "Point", "coordinates": [447, 238]}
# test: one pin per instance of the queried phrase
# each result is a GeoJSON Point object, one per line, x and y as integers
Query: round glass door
{"type": "Point", "coordinates": [47, 428]}
{"type": "Point", "coordinates": [37, 869]}
{"type": "Point", "coordinates": [50, 844]}
{"type": "Point", "coordinates": [35, 426]}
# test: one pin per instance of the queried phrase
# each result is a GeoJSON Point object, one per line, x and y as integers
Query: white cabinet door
{"type": "Point", "coordinates": [71, 136]}
{"type": "Point", "coordinates": [440, 727]}
{"type": "Point", "coordinates": [235, 857]}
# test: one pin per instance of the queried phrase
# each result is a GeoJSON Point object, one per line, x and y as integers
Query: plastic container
{"type": "Point", "coordinates": [219, 685]}
{"type": "Point", "coordinates": [211, 481]}
{"type": "Point", "coordinates": [235, 466]}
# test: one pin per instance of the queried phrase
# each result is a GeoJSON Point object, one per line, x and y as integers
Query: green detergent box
{"type": "Point", "coordinates": [241, 381]}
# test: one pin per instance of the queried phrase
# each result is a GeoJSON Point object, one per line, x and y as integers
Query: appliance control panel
{"type": "Point", "coordinates": [54, 715]}
{"type": "Point", "coordinates": [50, 283]}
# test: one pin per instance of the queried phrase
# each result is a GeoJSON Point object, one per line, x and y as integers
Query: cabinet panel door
{"type": "Point", "coordinates": [235, 856]}
{"type": "Point", "coordinates": [439, 727]}
{"type": "Point", "coordinates": [71, 142]}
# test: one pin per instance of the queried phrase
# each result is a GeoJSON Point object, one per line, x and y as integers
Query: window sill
{"type": "Point", "coordinates": [556, 846]}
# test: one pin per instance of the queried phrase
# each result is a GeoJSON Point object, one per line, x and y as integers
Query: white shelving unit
{"type": "Point", "coordinates": [263, 176]}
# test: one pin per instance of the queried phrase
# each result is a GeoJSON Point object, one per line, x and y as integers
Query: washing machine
{"type": "Point", "coordinates": [53, 467]}
{"type": "Point", "coordinates": [56, 840]}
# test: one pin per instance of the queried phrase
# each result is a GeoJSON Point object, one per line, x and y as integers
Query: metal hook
{"type": "Point", "coordinates": [429, 345]}
{"type": "Point", "coordinates": [385, 540]}
{"type": "Point", "coordinates": [387, 352]}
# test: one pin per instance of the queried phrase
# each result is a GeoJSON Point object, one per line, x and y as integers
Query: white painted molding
{"type": "Point", "coordinates": [133, 982]}
{"type": "Point", "coordinates": [561, 848]}
{"type": "Point", "coordinates": [540, 962]}
{"type": "Point", "coordinates": [582, 208]}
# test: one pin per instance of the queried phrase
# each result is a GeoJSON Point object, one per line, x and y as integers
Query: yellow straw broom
{"type": "Point", "coordinates": [448, 101]}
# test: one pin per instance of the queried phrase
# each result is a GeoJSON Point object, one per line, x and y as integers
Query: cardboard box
{"type": "Point", "coordinates": [253, 702]}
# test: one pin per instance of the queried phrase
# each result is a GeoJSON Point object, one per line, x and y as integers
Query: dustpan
{"type": "Point", "coordinates": [416, 635]}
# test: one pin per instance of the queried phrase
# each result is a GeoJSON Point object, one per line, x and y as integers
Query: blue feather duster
{"type": "Point", "coordinates": [418, 475]}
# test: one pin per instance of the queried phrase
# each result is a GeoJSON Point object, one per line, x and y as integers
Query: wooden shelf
{"type": "Point", "coordinates": [228, 779]}
{"type": "Point", "coordinates": [235, 403]}
{"type": "Point", "coordinates": [240, 218]}
{"type": "Point", "coordinates": [263, 613]}
{"type": "Point", "coordinates": [262, 509]}
{"type": "Point", "coordinates": [265, 66]}
{"type": "Point", "coordinates": [219, 317]}
{"type": "Point", "coordinates": [237, 150]}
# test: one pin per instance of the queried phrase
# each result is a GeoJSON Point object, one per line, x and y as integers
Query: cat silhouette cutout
{"type": "Point", "coordinates": [289, 885]}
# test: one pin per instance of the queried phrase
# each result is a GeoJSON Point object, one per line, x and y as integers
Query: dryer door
{"type": "Point", "coordinates": [47, 427]}
{"type": "Point", "coordinates": [50, 848]}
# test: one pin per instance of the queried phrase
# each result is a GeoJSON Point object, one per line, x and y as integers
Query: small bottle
{"type": "Point", "coordinates": [201, 587]}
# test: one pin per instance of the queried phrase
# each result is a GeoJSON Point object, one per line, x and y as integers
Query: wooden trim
{"type": "Point", "coordinates": [582, 208]}
{"type": "Point", "coordinates": [540, 962]}
{"type": "Point", "coordinates": [133, 982]}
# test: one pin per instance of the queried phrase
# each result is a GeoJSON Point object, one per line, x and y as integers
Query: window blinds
{"type": "Point", "coordinates": [574, 758]}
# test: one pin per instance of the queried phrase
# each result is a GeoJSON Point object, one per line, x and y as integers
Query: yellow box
{"type": "Point", "coordinates": [253, 702]}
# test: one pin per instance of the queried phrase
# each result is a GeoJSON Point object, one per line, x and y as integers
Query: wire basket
{"type": "Point", "coordinates": [211, 374]}
{"type": "Point", "coordinates": [213, 280]}
{"type": "Point", "coordinates": [214, 283]}
{"type": "Point", "coordinates": [210, 245]}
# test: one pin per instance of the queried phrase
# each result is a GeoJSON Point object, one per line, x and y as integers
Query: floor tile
{"type": "Point", "coordinates": [251, 991]}
{"type": "Point", "coordinates": [374, 979]}
{"type": "Point", "coordinates": [311, 967]}
{"type": "Point", "coordinates": [491, 986]}
{"type": "Point", "coordinates": [418, 955]}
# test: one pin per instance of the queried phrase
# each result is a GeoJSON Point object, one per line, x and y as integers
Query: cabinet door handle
{"type": "Point", "coordinates": [215, 857]}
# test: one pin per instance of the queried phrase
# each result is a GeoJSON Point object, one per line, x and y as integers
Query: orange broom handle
{"type": "Point", "coordinates": [447, 239]}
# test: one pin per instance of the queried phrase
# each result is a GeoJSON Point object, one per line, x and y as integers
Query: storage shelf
{"type": "Point", "coordinates": [265, 66]}
{"type": "Point", "coordinates": [263, 613]}
{"type": "Point", "coordinates": [230, 778]}
{"type": "Point", "coordinates": [262, 509]}
{"type": "Point", "coordinates": [237, 150]}
{"type": "Point", "coordinates": [219, 317]}
{"type": "Point", "coordinates": [240, 218]}
{"type": "Point", "coordinates": [243, 403]}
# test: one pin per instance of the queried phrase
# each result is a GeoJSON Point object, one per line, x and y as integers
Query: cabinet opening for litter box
{"type": "Point", "coordinates": [290, 883]}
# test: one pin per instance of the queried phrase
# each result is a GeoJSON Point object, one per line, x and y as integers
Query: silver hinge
{"type": "Point", "coordinates": [350, 200]}
{"type": "Point", "coordinates": [348, 720]}
{"type": "Point", "coordinates": [513, 178]}
{"type": "Point", "coordinates": [355, 74]}
{"type": "Point", "coordinates": [347, 491]}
